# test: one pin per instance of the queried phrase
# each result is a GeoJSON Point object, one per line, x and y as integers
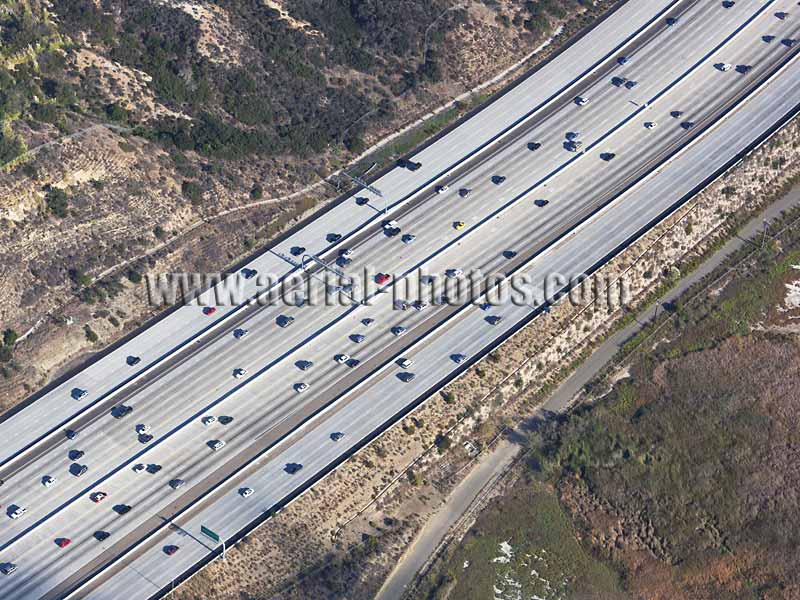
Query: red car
{"type": "Point", "coordinates": [209, 310]}
{"type": "Point", "coordinates": [98, 496]}
{"type": "Point", "coordinates": [63, 542]}
{"type": "Point", "coordinates": [381, 278]}
{"type": "Point", "coordinates": [170, 550]}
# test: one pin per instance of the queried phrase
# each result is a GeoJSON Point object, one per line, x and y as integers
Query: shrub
{"type": "Point", "coordinates": [90, 334]}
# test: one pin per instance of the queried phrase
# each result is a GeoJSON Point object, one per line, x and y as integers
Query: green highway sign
{"type": "Point", "coordinates": [208, 533]}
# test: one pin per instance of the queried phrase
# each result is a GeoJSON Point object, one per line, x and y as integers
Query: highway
{"type": "Point", "coordinates": [674, 68]}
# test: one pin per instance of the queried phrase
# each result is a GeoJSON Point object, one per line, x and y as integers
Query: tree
{"type": "Point", "coordinates": [10, 337]}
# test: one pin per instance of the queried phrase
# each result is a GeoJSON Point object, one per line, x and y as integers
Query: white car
{"type": "Point", "coordinates": [342, 358]}
{"type": "Point", "coordinates": [453, 273]}
{"type": "Point", "coordinates": [216, 444]}
{"type": "Point", "coordinates": [399, 330]}
{"type": "Point", "coordinates": [18, 512]}
{"type": "Point", "coordinates": [441, 189]}
{"type": "Point", "coordinates": [724, 66]}
{"type": "Point", "coordinates": [209, 420]}
{"type": "Point", "coordinates": [651, 125]}
{"type": "Point", "coordinates": [405, 363]}
{"type": "Point", "coordinates": [346, 253]}
{"type": "Point", "coordinates": [389, 225]}
{"type": "Point", "coordinates": [142, 429]}
{"type": "Point", "coordinates": [239, 373]}
{"type": "Point", "coordinates": [246, 492]}
{"type": "Point", "coordinates": [581, 101]}
{"type": "Point", "coordinates": [301, 387]}
{"type": "Point", "coordinates": [47, 481]}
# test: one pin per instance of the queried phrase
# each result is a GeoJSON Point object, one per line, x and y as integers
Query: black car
{"type": "Point", "coordinates": [618, 81]}
{"type": "Point", "coordinates": [607, 156]}
{"type": "Point", "coordinates": [133, 360]}
{"type": "Point", "coordinates": [121, 509]}
{"type": "Point", "coordinates": [464, 192]}
{"type": "Point", "coordinates": [121, 411]}
{"type": "Point", "coordinates": [249, 273]}
{"type": "Point", "coordinates": [284, 320]}
{"type": "Point", "coordinates": [408, 164]}
{"type": "Point", "coordinates": [297, 250]}
{"type": "Point", "coordinates": [75, 454]}
{"type": "Point", "coordinates": [671, 21]}
{"type": "Point", "coordinates": [534, 145]}
{"type": "Point", "coordinates": [789, 42]}
{"type": "Point", "coordinates": [781, 15]}
{"type": "Point", "coordinates": [631, 84]}
{"type": "Point", "coordinates": [743, 69]}
{"type": "Point", "coordinates": [498, 179]}
{"type": "Point", "coordinates": [101, 535]}
{"type": "Point", "coordinates": [332, 238]}
{"type": "Point", "coordinates": [406, 377]}
{"type": "Point", "coordinates": [78, 469]}
{"type": "Point", "coordinates": [676, 114]}
{"type": "Point", "coordinates": [145, 438]}
{"type": "Point", "coordinates": [687, 124]}
{"type": "Point", "coordinates": [361, 200]}
{"type": "Point", "coordinates": [541, 202]}
{"type": "Point", "coordinates": [153, 468]}
{"type": "Point", "coordinates": [509, 254]}
{"type": "Point", "coordinates": [728, 3]}
{"type": "Point", "coordinates": [768, 38]}
{"type": "Point", "coordinates": [336, 436]}
{"type": "Point", "coordinates": [292, 468]}
{"type": "Point", "coordinates": [71, 434]}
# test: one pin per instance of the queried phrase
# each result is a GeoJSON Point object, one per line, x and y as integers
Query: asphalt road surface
{"type": "Point", "coordinates": [594, 206]}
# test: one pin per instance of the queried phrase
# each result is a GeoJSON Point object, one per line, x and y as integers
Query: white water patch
{"type": "Point", "coordinates": [506, 554]}
{"type": "Point", "coordinates": [792, 299]}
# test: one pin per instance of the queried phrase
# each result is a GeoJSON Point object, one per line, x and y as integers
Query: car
{"type": "Point", "coordinates": [346, 252]}
{"type": "Point", "coordinates": [79, 394]}
{"type": "Point", "coordinates": [618, 81]}
{"type": "Point", "coordinates": [176, 484]}
{"type": "Point", "coordinates": [676, 114]}
{"type": "Point", "coordinates": [408, 238]}
{"type": "Point", "coordinates": [209, 310]}
{"type": "Point", "coordinates": [789, 42]}
{"type": "Point", "coordinates": [581, 101]}
{"type": "Point", "coordinates": [399, 330]}
{"type": "Point", "coordinates": [225, 420]}
{"type": "Point", "coordinates": [572, 135]}
{"type": "Point", "coordinates": [297, 250]}
{"type": "Point", "coordinates": [357, 338]}
{"type": "Point", "coordinates": [239, 372]}
{"type": "Point", "coordinates": [485, 306]}
{"type": "Point", "coordinates": [121, 410]}
{"type": "Point", "coordinates": [768, 38]}
{"type": "Point", "coordinates": [441, 189]}
{"type": "Point", "coordinates": [401, 305]}
{"type": "Point", "coordinates": [171, 549]}
{"type": "Point", "coordinates": [284, 320]}
{"type": "Point", "coordinates": [216, 445]}
{"type": "Point", "coordinates": [607, 156]}
{"type": "Point", "coordinates": [209, 419]}
{"type": "Point", "coordinates": [494, 319]}
{"type": "Point", "coordinates": [687, 124]}
{"type": "Point", "coordinates": [133, 360]}
{"type": "Point", "coordinates": [292, 468]}
{"type": "Point", "coordinates": [781, 15]}
{"type": "Point", "coordinates": [419, 304]}
{"type": "Point", "coordinates": [63, 542]}
{"type": "Point", "coordinates": [304, 365]}
{"type": "Point", "coordinates": [240, 333]}
{"type": "Point", "coordinates": [382, 278]}
{"type": "Point", "coordinates": [336, 436]}
{"type": "Point", "coordinates": [650, 124]}
{"type": "Point", "coordinates": [458, 225]}
{"type": "Point", "coordinates": [408, 164]}
{"type": "Point", "coordinates": [332, 238]}
{"type": "Point", "coordinates": [15, 512]}
{"type": "Point", "coordinates": [405, 363]}
{"type": "Point", "coordinates": [47, 481]}
{"type": "Point", "coordinates": [623, 60]}
{"type": "Point", "coordinates": [300, 387]}
{"type": "Point", "coordinates": [464, 192]}
{"type": "Point", "coordinates": [78, 469]}
{"type": "Point", "coordinates": [509, 254]}
{"type": "Point", "coordinates": [145, 438]}
{"type": "Point", "coordinates": [122, 509]}
{"type": "Point", "coordinates": [744, 69]}
{"type": "Point", "coordinates": [427, 279]}
{"type": "Point", "coordinates": [138, 467]}
{"type": "Point", "coordinates": [406, 377]}
{"type": "Point", "coordinates": [724, 67]}
{"type": "Point", "coordinates": [142, 428]}
{"type": "Point", "coordinates": [341, 358]}
{"type": "Point", "coordinates": [630, 84]}
{"type": "Point", "coordinates": [246, 492]}
{"type": "Point", "coordinates": [541, 202]}
{"type": "Point", "coordinates": [498, 179]}
{"type": "Point", "coordinates": [458, 358]}
{"type": "Point", "coordinates": [728, 3]}
{"type": "Point", "coordinates": [248, 273]}
{"type": "Point", "coordinates": [353, 363]}
{"type": "Point", "coordinates": [671, 21]}
{"type": "Point", "coordinates": [153, 468]}
{"type": "Point", "coordinates": [75, 454]}
{"type": "Point", "coordinates": [99, 496]}
{"type": "Point", "coordinates": [453, 273]}
{"type": "Point", "coordinates": [8, 568]}
{"type": "Point", "coordinates": [101, 535]}
{"type": "Point", "coordinates": [71, 434]}
{"type": "Point", "coordinates": [367, 322]}
{"type": "Point", "coordinates": [362, 201]}
{"type": "Point", "coordinates": [573, 145]}
{"type": "Point", "coordinates": [534, 146]}
{"type": "Point", "coordinates": [391, 224]}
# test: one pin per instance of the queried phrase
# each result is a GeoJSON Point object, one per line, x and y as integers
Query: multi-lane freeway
{"type": "Point", "coordinates": [709, 80]}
